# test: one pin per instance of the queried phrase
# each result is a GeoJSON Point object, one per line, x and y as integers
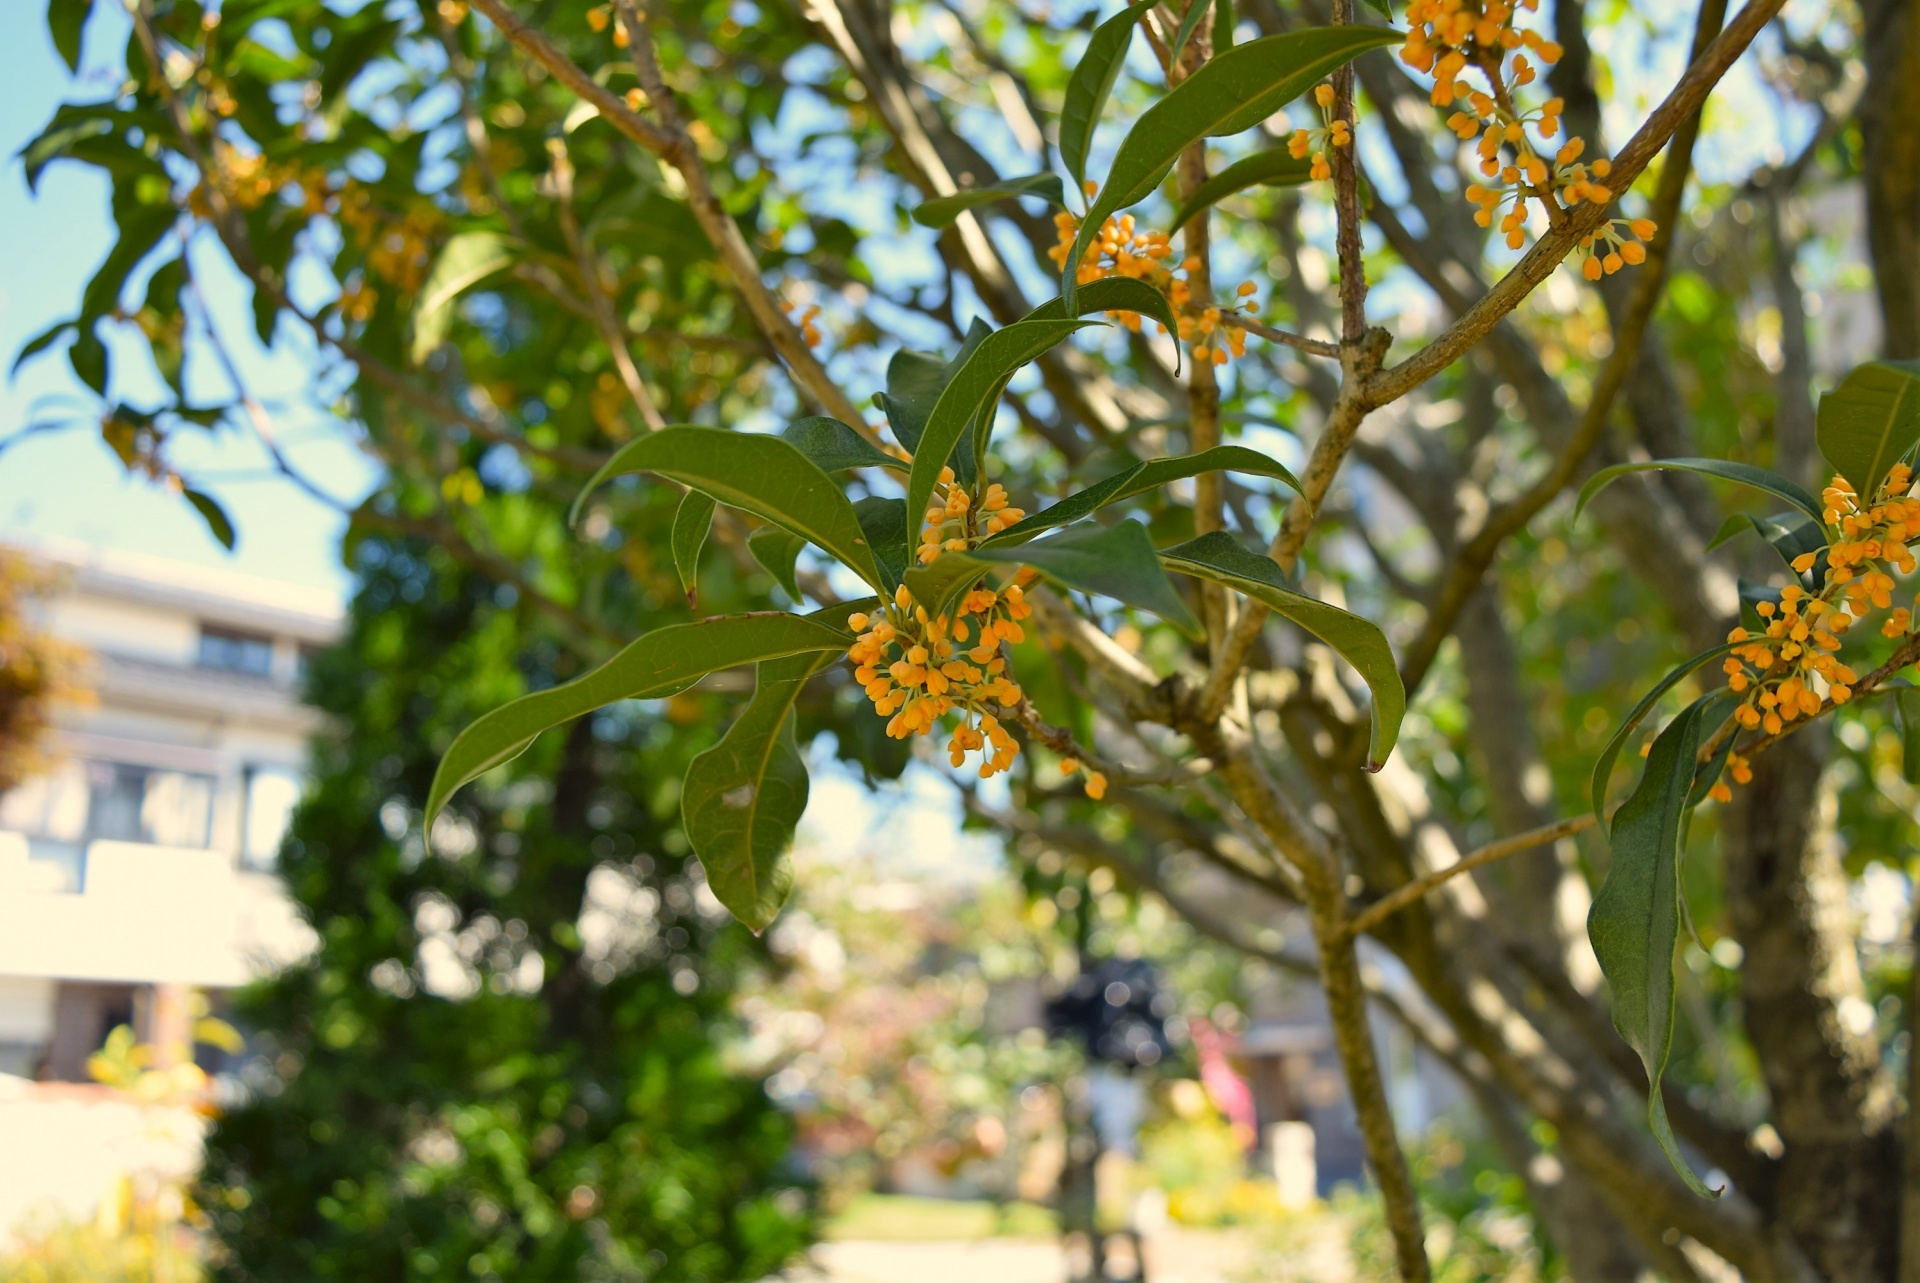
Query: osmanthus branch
{"type": "Point", "coordinates": [1511, 290]}
{"type": "Point", "coordinates": [1470, 563]}
{"type": "Point", "coordinates": [1367, 385]}
{"type": "Point", "coordinates": [670, 143]}
{"type": "Point", "coordinates": [1313, 347]}
{"type": "Point", "coordinates": [1400, 897]}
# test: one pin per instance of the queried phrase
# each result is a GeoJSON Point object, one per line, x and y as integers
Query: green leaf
{"type": "Point", "coordinates": [1262, 169]}
{"type": "Point", "coordinates": [1139, 479]}
{"type": "Point", "coordinates": [1907, 701]}
{"type": "Point", "coordinates": [664, 662]}
{"type": "Point", "coordinates": [743, 798]}
{"type": "Point", "coordinates": [915, 381]}
{"type": "Point", "coordinates": [66, 23]}
{"type": "Point", "coordinates": [1113, 561]}
{"type": "Point", "coordinates": [1759, 478]}
{"type": "Point", "coordinates": [1223, 21]}
{"type": "Point", "coordinates": [759, 474]}
{"type": "Point", "coordinates": [972, 394]}
{"type": "Point", "coordinates": [1603, 765]}
{"type": "Point", "coordinates": [41, 342]}
{"type": "Point", "coordinates": [1635, 920]}
{"type": "Point", "coordinates": [1219, 557]}
{"type": "Point", "coordinates": [941, 211]}
{"type": "Point", "coordinates": [692, 521]}
{"type": "Point", "coordinates": [885, 524]}
{"type": "Point", "coordinates": [1382, 7]}
{"type": "Point", "coordinates": [467, 259]}
{"type": "Point", "coordinates": [1235, 90]}
{"type": "Point", "coordinates": [835, 447]}
{"type": "Point", "coordinates": [1196, 10]}
{"type": "Point", "coordinates": [778, 551]}
{"type": "Point", "coordinates": [1791, 535]}
{"type": "Point", "coordinates": [213, 514]}
{"type": "Point", "coordinates": [1113, 294]}
{"type": "Point", "coordinates": [1870, 421]}
{"type": "Point", "coordinates": [1092, 83]}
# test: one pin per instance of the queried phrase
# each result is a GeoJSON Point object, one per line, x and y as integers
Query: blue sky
{"type": "Point", "coordinates": [67, 484]}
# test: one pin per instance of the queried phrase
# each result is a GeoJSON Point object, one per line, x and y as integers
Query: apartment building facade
{"type": "Point", "coordinates": [140, 867]}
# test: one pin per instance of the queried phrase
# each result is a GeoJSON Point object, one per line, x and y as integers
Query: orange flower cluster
{"type": "Point", "coordinates": [951, 524]}
{"type": "Point", "coordinates": [1779, 673]}
{"type": "Point", "coordinates": [1315, 142]}
{"type": "Point", "coordinates": [1448, 38]}
{"type": "Point", "coordinates": [1096, 782]}
{"type": "Point", "coordinates": [1122, 250]}
{"type": "Point", "coordinates": [917, 668]}
{"type": "Point", "coordinates": [807, 322]}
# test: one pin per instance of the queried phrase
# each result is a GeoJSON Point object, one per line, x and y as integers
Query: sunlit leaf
{"type": "Point", "coordinates": [1869, 422]}
{"type": "Point", "coordinates": [1747, 475]}
{"type": "Point", "coordinates": [1092, 83]}
{"type": "Point", "coordinates": [1219, 557]}
{"type": "Point", "coordinates": [759, 474]}
{"type": "Point", "coordinates": [664, 662]}
{"type": "Point", "coordinates": [743, 798]}
{"type": "Point", "coordinates": [1231, 92]}
{"type": "Point", "coordinates": [1603, 765]}
{"type": "Point", "coordinates": [835, 447]}
{"type": "Point", "coordinates": [465, 261]}
{"type": "Point", "coordinates": [1139, 479]}
{"type": "Point", "coordinates": [1262, 169]}
{"type": "Point", "coordinates": [1111, 561]}
{"type": "Point", "coordinates": [942, 210]}
{"type": "Point", "coordinates": [972, 393]}
{"type": "Point", "coordinates": [1635, 920]}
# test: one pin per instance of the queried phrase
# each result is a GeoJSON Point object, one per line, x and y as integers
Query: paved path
{"type": "Point", "coordinates": [1175, 1256]}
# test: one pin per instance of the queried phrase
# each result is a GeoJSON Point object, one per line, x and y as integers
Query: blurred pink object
{"type": "Point", "coordinates": [1228, 1090]}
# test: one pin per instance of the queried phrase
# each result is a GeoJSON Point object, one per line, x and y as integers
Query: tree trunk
{"type": "Point", "coordinates": [1890, 127]}
{"type": "Point", "coordinates": [1807, 1018]}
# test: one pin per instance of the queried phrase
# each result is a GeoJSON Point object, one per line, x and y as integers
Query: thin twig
{"type": "Point", "coordinates": [1313, 347]}
{"type": "Point", "coordinates": [1400, 897]}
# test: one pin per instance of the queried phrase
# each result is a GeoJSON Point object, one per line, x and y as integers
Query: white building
{"type": "Point", "coordinates": [140, 867]}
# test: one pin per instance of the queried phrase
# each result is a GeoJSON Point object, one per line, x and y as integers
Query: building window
{"type": "Point", "coordinates": [235, 652]}
{"type": "Point", "coordinates": [135, 804]}
{"type": "Point", "coordinates": [272, 793]}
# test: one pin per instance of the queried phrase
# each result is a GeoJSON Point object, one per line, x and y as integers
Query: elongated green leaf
{"type": "Point", "coordinates": [1791, 535]}
{"type": "Point", "coordinates": [1907, 701]}
{"type": "Point", "coordinates": [1092, 83]}
{"type": "Point", "coordinates": [1635, 920]}
{"type": "Point", "coordinates": [972, 394]}
{"type": "Point", "coordinates": [214, 515]}
{"type": "Point", "coordinates": [915, 381]}
{"type": "Point", "coordinates": [1139, 479]}
{"type": "Point", "coordinates": [1869, 421]}
{"type": "Point", "coordinates": [1111, 294]}
{"type": "Point", "coordinates": [835, 447]}
{"type": "Point", "coordinates": [759, 474]}
{"type": "Point", "coordinates": [778, 550]}
{"type": "Point", "coordinates": [1603, 765]}
{"type": "Point", "coordinates": [1223, 22]}
{"type": "Point", "coordinates": [66, 23]}
{"type": "Point", "coordinates": [1382, 7]}
{"type": "Point", "coordinates": [1233, 91]}
{"type": "Point", "coordinates": [465, 261]}
{"type": "Point", "coordinates": [885, 523]}
{"type": "Point", "coordinates": [1196, 10]}
{"type": "Point", "coordinates": [691, 522]}
{"type": "Point", "coordinates": [1113, 561]}
{"type": "Point", "coordinates": [743, 797]}
{"type": "Point", "coordinates": [41, 342]}
{"type": "Point", "coordinates": [664, 662]}
{"type": "Point", "coordinates": [1262, 169]}
{"type": "Point", "coordinates": [1759, 478]}
{"type": "Point", "coordinates": [942, 210]}
{"type": "Point", "coordinates": [1219, 557]}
